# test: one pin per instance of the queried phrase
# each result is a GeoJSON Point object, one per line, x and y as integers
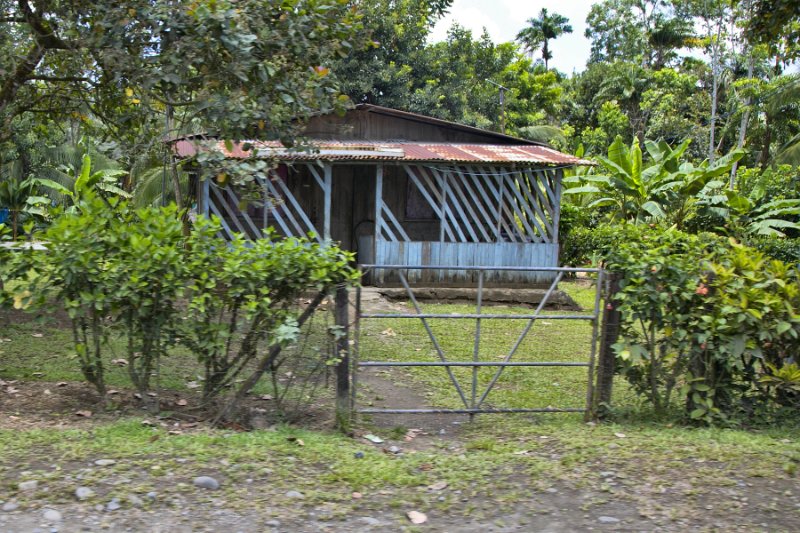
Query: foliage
{"type": "Point", "coordinates": [663, 188]}
{"type": "Point", "coordinates": [706, 319]}
{"type": "Point", "coordinates": [541, 30]}
{"type": "Point", "coordinates": [132, 74]}
{"type": "Point", "coordinates": [773, 18]}
{"type": "Point", "coordinates": [139, 277]}
{"type": "Point", "coordinates": [21, 201]}
{"type": "Point", "coordinates": [746, 218]}
{"type": "Point", "coordinates": [786, 250]}
{"type": "Point", "coordinates": [773, 183]}
{"type": "Point", "coordinates": [242, 306]}
{"type": "Point", "coordinates": [81, 273]}
{"type": "Point", "coordinates": [587, 245]}
{"type": "Point", "coordinates": [83, 181]}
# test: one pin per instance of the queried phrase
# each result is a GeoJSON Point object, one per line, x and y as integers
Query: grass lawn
{"type": "Point", "coordinates": [518, 387]}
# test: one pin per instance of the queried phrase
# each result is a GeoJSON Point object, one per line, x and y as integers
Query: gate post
{"type": "Point", "coordinates": [342, 346]}
{"type": "Point", "coordinates": [607, 357]}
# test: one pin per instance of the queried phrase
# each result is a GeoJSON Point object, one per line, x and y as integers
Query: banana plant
{"type": "Point", "coordinates": [574, 189]}
{"type": "Point", "coordinates": [665, 188]}
{"type": "Point", "coordinates": [627, 186]}
{"type": "Point", "coordinates": [682, 187]}
{"type": "Point", "coordinates": [86, 183]}
{"type": "Point", "coordinates": [748, 219]}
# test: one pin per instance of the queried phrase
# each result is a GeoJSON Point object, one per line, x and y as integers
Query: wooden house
{"type": "Point", "coordinates": [404, 189]}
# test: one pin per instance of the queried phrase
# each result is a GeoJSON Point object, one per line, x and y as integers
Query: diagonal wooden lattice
{"type": "Point", "coordinates": [490, 204]}
{"type": "Point", "coordinates": [280, 207]}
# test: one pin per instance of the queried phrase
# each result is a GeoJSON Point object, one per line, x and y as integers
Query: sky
{"type": "Point", "coordinates": [505, 18]}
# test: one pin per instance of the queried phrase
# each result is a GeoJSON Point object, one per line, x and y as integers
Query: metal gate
{"type": "Point", "coordinates": [474, 398]}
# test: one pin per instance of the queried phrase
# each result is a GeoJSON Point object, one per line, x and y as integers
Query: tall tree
{"type": "Point", "coordinates": [240, 67]}
{"type": "Point", "coordinates": [646, 31]}
{"type": "Point", "coordinates": [541, 30]}
{"type": "Point", "coordinates": [383, 73]}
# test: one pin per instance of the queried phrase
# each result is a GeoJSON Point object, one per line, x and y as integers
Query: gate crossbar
{"type": "Point", "coordinates": [475, 405]}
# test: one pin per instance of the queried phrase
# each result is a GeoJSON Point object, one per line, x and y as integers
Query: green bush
{"type": "Point", "coordinates": [243, 300]}
{"type": "Point", "coordinates": [782, 249]}
{"type": "Point", "coordinates": [710, 319]}
{"type": "Point", "coordinates": [773, 183]}
{"type": "Point", "coordinates": [133, 273]}
{"type": "Point", "coordinates": [586, 246]}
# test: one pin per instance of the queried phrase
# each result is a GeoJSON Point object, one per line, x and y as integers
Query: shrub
{"type": "Point", "coordinates": [585, 246]}
{"type": "Point", "coordinates": [242, 309]}
{"type": "Point", "coordinates": [112, 268]}
{"type": "Point", "coordinates": [708, 318]}
{"type": "Point", "coordinates": [582, 246]}
{"type": "Point", "coordinates": [133, 273]}
{"type": "Point", "coordinates": [782, 249]}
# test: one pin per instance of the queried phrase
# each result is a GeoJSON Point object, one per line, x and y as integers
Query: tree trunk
{"type": "Point", "coordinates": [715, 76]}
{"type": "Point", "coordinates": [767, 141]}
{"type": "Point", "coordinates": [742, 124]}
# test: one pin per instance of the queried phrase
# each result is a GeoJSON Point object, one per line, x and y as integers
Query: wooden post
{"type": "Point", "coordinates": [204, 185]}
{"type": "Point", "coordinates": [607, 358]}
{"type": "Point", "coordinates": [559, 177]}
{"type": "Point", "coordinates": [343, 407]}
{"type": "Point", "coordinates": [328, 192]}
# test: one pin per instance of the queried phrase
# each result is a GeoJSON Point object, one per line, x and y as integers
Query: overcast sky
{"type": "Point", "coordinates": [504, 18]}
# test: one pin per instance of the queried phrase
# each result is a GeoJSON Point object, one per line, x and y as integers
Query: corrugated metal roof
{"type": "Point", "coordinates": [393, 151]}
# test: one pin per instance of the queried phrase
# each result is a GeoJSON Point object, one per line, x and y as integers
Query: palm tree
{"type": "Point", "coordinates": [541, 30]}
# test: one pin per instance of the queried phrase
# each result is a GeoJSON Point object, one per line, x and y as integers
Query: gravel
{"type": "Point", "coordinates": [206, 482]}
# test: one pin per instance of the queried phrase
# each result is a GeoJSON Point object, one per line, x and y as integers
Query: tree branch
{"type": "Point", "coordinates": [59, 78]}
{"type": "Point", "coordinates": [43, 32]}
{"type": "Point", "coordinates": [21, 74]}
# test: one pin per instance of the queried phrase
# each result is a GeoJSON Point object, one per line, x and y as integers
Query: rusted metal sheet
{"type": "Point", "coordinates": [366, 151]}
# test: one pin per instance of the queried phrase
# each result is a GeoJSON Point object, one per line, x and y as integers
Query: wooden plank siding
{"type": "Point", "coordinates": [465, 254]}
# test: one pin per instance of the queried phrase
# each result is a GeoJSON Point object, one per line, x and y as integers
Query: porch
{"type": "Point", "coordinates": [398, 212]}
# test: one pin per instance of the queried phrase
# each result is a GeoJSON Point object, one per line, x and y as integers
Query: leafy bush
{"type": "Point", "coordinates": [786, 250]}
{"type": "Point", "coordinates": [113, 269]}
{"type": "Point", "coordinates": [242, 304]}
{"type": "Point", "coordinates": [584, 246]}
{"type": "Point", "coordinates": [133, 273]}
{"type": "Point", "coordinates": [772, 183]}
{"type": "Point", "coordinates": [709, 319]}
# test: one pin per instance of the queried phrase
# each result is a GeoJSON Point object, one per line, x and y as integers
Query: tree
{"type": "Point", "coordinates": [384, 72]}
{"type": "Point", "coordinates": [644, 31]}
{"type": "Point", "coordinates": [541, 30]}
{"type": "Point", "coordinates": [242, 68]}
{"type": "Point", "coordinates": [775, 19]}
{"type": "Point", "coordinates": [787, 95]}
{"type": "Point", "coordinates": [614, 32]}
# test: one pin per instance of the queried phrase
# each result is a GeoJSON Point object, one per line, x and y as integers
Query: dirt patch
{"type": "Point", "coordinates": [387, 389]}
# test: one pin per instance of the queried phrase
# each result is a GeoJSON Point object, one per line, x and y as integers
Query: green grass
{"type": "Point", "coordinates": [493, 455]}
{"type": "Point", "coordinates": [42, 351]}
{"type": "Point", "coordinates": [504, 458]}
{"type": "Point", "coordinates": [518, 387]}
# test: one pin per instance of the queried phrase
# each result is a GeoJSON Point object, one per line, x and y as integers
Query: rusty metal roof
{"type": "Point", "coordinates": [365, 151]}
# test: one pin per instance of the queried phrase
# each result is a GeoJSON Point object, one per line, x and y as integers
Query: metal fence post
{"type": "Point", "coordinates": [607, 360]}
{"type": "Point", "coordinates": [343, 407]}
